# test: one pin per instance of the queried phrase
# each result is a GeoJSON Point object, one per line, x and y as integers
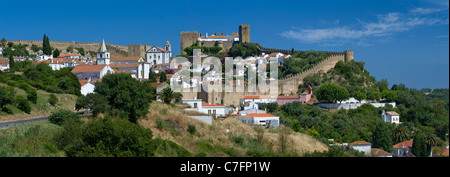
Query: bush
{"type": "Point", "coordinates": [167, 148]}
{"type": "Point", "coordinates": [23, 104]}
{"type": "Point", "coordinates": [60, 116]}
{"type": "Point", "coordinates": [32, 95]}
{"type": "Point", "coordinates": [104, 137]}
{"type": "Point", "coordinates": [52, 99]}
{"type": "Point", "coordinates": [192, 129]}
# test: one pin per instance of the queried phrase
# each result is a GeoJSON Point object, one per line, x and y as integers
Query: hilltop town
{"type": "Point", "coordinates": [324, 95]}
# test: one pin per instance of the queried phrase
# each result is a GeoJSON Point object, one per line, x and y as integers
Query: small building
{"type": "Point", "coordinates": [258, 99]}
{"type": "Point", "coordinates": [250, 105]}
{"type": "Point", "coordinates": [264, 119]}
{"type": "Point", "coordinates": [4, 63]}
{"type": "Point", "coordinates": [287, 99]}
{"type": "Point", "coordinates": [391, 117]}
{"type": "Point", "coordinates": [86, 88]}
{"type": "Point", "coordinates": [361, 146]}
{"type": "Point", "coordinates": [376, 152]}
{"type": "Point", "coordinates": [402, 148]}
{"type": "Point", "coordinates": [158, 55]}
{"type": "Point", "coordinates": [210, 109]}
{"type": "Point", "coordinates": [250, 111]}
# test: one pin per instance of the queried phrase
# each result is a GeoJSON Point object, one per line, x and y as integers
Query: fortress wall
{"type": "Point", "coordinates": [290, 84]}
{"type": "Point", "coordinates": [187, 39]}
{"type": "Point", "coordinates": [115, 50]}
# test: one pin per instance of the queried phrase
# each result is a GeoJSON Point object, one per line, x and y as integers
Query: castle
{"type": "Point", "coordinates": [188, 38]}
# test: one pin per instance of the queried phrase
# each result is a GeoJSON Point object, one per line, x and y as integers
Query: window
{"type": "Point", "coordinates": [195, 105]}
{"type": "Point", "coordinates": [209, 112]}
{"type": "Point", "coordinates": [214, 111]}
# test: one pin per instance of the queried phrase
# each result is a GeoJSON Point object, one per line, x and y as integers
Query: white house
{"type": "Point", "coordinates": [264, 119]}
{"type": "Point", "coordinates": [250, 111]}
{"type": "Point", "coordinates": [87, 88]}
{"type": "Point", "coordinates": [158, 55]}
{"type": "Point", "coordinates": [391, 117]}
{"type": "Point", "coordinates": [258, 99]}
{"type": "Point", "coordinates": [4, 63]}
{"type": "Point", "coordinates": [361, 146]}
{"type": "Point", "coordinates": [44, 57]}
{"type": "Point", "coordinates": [210, 109]}
{"type": "Point", "coordinates": [402, 148]}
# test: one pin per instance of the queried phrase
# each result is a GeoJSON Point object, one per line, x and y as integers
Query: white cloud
{"type": "Point", "coordinates": [386, 25]}
{"type": "Point", "coordinates": [424, 11]}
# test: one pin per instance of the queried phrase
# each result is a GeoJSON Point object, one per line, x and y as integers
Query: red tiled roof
{"type": "Point", "coordinates": [404, 144]}
{"type": "Point", "coordinates": [160, 48]}
{"type": "Point", "coordinates": [259, 115]}
{"type": "Point", "coordinates": [392, 113]}
{"type": "Point", "coordinates": [444, 152]}
{"type": "Point", "coordinates": [285, 97]}
{"type": "Point", "coordinates": [379, 152]}
{"type": "Point", "coordinates": [155, 84]}
{"type": "Point", "coordinates": [135, 58]}
{"type": "Point", "coordinates": [359, 143]}
{"type": "Point", "coordinates": [67, 54]}
{"type": "Point", "coordinates": [124, 65]}
{"type": "Point", "coordinates": [87, 68]}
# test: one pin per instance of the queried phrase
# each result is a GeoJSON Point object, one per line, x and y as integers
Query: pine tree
{"type": "Point", "coordinates": [381, 137]}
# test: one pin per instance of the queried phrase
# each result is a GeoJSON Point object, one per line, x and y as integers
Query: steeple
{"type": "Point", "coordinates": [103, 48]}
{"type": "Point", "coordinates": [103, 56]}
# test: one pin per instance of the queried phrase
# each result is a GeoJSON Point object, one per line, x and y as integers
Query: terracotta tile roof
{"type": "Point", "coordinates": [116, 71]}
{"type": "Point", "coordinates": [275, 53]}
{"type": "Point", "coordinates": [160, 48]}
{"type": "Point", "coordinates": [3, 61]}
{"type": "Point", "coordinates": [155, 84]}
{"type": "Point", "coordinates": [259, 115]}
{"type": "Point", "coordinates": [84, 68]}
{"type": "Point", "coordinates": [67, 54]}
{"type": "Point", "coordinates": [359, 143]}
{"type": "Point", "coordinates": [285, 97]}
{"type": "Point", "coordinates": [444, 152]}
{"type": "Point", "coordinates": [136, 58]}
{"type": "Point", "coordinates": [217, 37]}
{"type": "Point", "coordinates": [392, 113]}
{"type": "Point", "coordinates": [212, 105]}
{"type": "Point", "coordinates": [379, 152]}
{"type": "Point", "coordinates": [404, 144]}
{"type": "Point", "coordinates": [124, 65]}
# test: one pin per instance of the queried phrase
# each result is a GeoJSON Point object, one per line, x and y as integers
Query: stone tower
{"type": "Point", "coordinates": [187, 39]}
{"type": "Point", "coordinates": [244, 33]}
{"type": "Point", "coordinates": [348, 55]}
{"type": "Point", "coordinates": [103, 56]}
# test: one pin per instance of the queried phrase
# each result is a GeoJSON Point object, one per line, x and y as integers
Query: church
{"type": "Point", "coordinates": [158, 55]}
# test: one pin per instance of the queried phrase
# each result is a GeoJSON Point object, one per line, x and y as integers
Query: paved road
{"type": "Point", "coordinates": [4, 125]}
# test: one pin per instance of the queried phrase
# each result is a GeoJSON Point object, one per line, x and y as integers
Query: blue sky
{"type": "Point", "coordinates": [405, 41]}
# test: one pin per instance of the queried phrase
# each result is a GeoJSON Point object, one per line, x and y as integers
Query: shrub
{"type": "Point", "coordinates": [192, 129]}
{"type": "Point", "coordinates": [168, 148]}
{"type": "Point", "coordinates": [32, 95]}
{"type": "Point", "coordinates": [52, 99]}
{"type": "Point", "coordinates": [23, 104]}
{"type": "Point", "coordinates": [60, 116]}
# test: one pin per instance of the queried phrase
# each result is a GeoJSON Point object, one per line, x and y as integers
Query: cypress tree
{"type": "Point", "coordinates": [46, 46]}
{"type": "Point", "coordinates": [11, 62]}
{"type": "Point", "coordinates": [419, 147]}
{"type": "Point", "coordinates": [381, 137]}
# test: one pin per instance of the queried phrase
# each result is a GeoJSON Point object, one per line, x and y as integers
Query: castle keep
{"type": "Point", "coordinates": [188, 38]}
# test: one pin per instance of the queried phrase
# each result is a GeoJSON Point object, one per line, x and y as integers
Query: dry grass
{"type": "Point", "coordinates": [216, 134]}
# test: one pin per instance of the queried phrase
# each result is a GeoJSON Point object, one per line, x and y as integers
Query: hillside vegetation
{"type": "Point", "coordinates": [172, 123]}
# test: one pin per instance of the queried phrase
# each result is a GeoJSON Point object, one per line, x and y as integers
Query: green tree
{"type": "Point", "coordinates": [46, 49]}
{"type": "Point", "coordinates": [167, 95]}
{"type": "Point", "coordinates": [162, 77]}
{"type": "Point", "coordinates": [32, 95]}
{"type": "Point", "coordinates": [6, 96]}
{"type": "Point", "coordinates": [400, 134]}
{"type": "Point", "coordinates": [81, 51]}
{"type": "Point", "coordinates": [389, 95]}
{"type": "Point", "coordinates": [93, 101]}
{"type": "Point", "coordinates": [381, 137]}
{"type": "Point", "coordinates": [419, 147]}
{"type": "Point", "coordinates": [34, 48]}
{"type": "Point", "coordinates": [360, 95]}
{"type": "Point", "coordinates": [127, 97]}
{"type": "Point", "coordinates": [152, 76]}
{"type": "Point", "coordinates": [332, 93]}
{"type": "Point", "coordinates": [56, 53]}
{"type": "Point", "coordinates": [4, 42]}
{"type": "Point", "coordinates": [11, 63]}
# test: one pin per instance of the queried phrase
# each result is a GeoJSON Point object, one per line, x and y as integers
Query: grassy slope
{"type": "Point", "coordinates": [213, 139]}
{"type": "Point", "coordinates": [65, 101]}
